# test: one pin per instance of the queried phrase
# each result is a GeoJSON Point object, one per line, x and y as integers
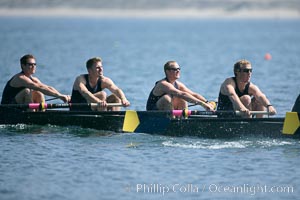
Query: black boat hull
{"type": "Point", "coordinates": [152, 123]}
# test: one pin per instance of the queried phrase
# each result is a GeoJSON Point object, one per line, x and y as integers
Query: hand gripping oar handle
{"type": "Point", "coordinates": [186, 113]}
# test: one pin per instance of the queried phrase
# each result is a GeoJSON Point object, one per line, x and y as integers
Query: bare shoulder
{"type": "Point", "coordinates": [35, 79]}
{"type": "Point", "coordinates": [181, 86]}
{"type": "Point", "coordinates": [161, 87]}
{"type": "Point", "coordinates": [162, 82]}
{"type": "Point", "coordinates": [229, 81]}
{"type": "Point", "coordinates": [80, 78]}
{"type": "Point", "coordinates": [105, 79]}
{"type": "Point", "coordinates": [79, 81]}
{"type": "Point", "coordinates": [227, 85]}
{"type": "Point", "coordinates": [180, 83]}
{"type": "Point", "coordinates": [253, 88]}
{"type": "Point", "coordinates": [22, 78]}
{"type": "Point", "coordinates": [106, 82]}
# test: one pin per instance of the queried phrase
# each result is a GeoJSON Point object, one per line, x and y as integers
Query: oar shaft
{"type": "Point", "coordinates": [75, 105]}
{"type": "Point", "coordinates": [95, 105]}
{"type": "Point", "coordinates": [54, 98]}
{"type": "Point", "coordinates": [186, 113]}
{"type": "Point", "coordinates": [254, 112]}
{"type": "Point", "coordinates": [61, 105]}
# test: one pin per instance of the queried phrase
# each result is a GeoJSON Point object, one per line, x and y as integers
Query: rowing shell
{"type": "Point", "coordinates": [151, 122]}
{"type": "Point", "coordinates": [111, 121]}
{"type": "Point", "coordinates": [208, 126]}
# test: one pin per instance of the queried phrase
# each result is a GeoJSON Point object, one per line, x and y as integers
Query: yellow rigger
{"type": "Point", "coordinates": [291, 123]}
{"type": "Point", "coordinates": [131, 121]}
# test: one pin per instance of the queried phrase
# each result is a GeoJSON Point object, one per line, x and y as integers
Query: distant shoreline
{"type": "Point", "coordinates": [163, 13]}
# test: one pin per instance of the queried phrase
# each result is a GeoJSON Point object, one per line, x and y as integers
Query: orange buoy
{"type": "Point", "coordinates": [268, 56]}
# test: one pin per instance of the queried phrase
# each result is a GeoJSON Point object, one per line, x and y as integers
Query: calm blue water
{"type": "Point", "coordinates": [48, 162]}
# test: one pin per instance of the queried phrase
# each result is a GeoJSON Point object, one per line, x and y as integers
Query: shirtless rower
{"type": "Point", "coordinates": [239, 94]}
{"type": "Point", "coordinates": [24, 88]}
{"type": "Point", "coordinates": [169, 93]}
{"type": "Point", "coordinates": [89, 88]}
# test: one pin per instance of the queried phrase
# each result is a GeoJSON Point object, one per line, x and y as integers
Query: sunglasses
{"type": "Point", "coordinates": [174, 69]}
{"type": "Point", "coordinates": [31, 64]}
{"type": "Point", "coordinates": [246, 70]}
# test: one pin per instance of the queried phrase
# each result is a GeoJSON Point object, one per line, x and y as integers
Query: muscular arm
{"type": "Point", "coordinates": [36, 84]}
{"type": "Point", "coordinates": [196, 95]}
{"type": "Point", "coordinates": [79, 85]}
{"type": "Point", "coordinates": [109, 84]}
{"type": "Point", "coordinates": [261, 98]}
{"type": "Point", "coordinates": [227, 88]}
{"type": "Point", "coordinates": [183, 92]}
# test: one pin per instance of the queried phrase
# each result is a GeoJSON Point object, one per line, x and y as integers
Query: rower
{"type": "Point", "coordinates": [169, 93]}
{"type": "Point", "coordinates": [239, 94]}
{"type": "Point", "coordinates": [88, 88]}
{"type": "Point", "coordinates": [23, 88]}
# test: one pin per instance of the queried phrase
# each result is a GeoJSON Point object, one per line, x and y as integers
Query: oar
{"type": "Point", "coordinates": [291, 123]}
{"type": "Point", "coordinates": [186, 113]}
{"type": "Point", "coordinates": [42, 106]}
{"type": "Point", "coordinates": [50, 99]}
{"type": "Point", "coordinates": [213, 103]}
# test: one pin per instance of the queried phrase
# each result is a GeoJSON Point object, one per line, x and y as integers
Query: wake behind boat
{"type": "Point", "coordinates": [187, 123]}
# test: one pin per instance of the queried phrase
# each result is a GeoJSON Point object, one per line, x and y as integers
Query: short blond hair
{"type": "Point", "coordinates": [240, 63]}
